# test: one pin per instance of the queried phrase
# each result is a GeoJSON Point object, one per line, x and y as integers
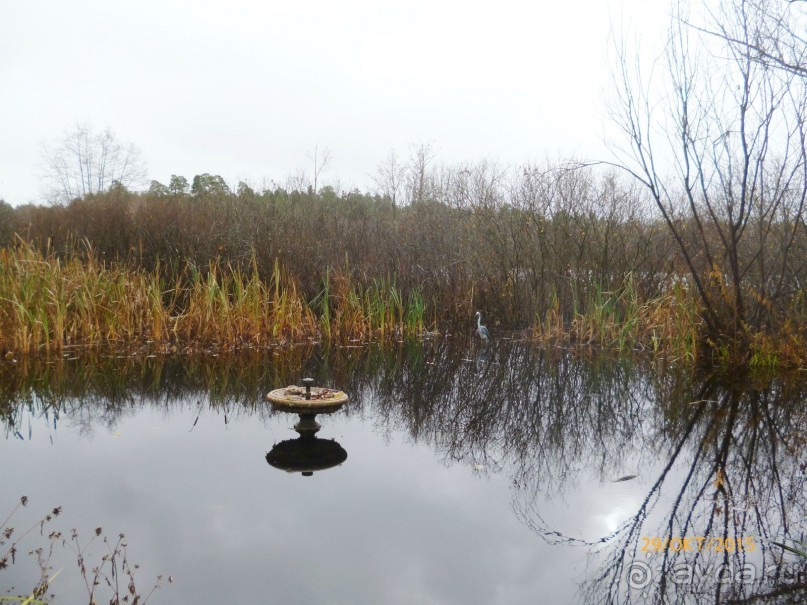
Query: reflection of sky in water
{"type": "Point", "coordinates": [467, 480]}
{"type": "Point", "coordinates": [394, 524]}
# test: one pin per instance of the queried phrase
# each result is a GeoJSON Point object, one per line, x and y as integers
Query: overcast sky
{"type": "Point", "coordinates": [247, 88]}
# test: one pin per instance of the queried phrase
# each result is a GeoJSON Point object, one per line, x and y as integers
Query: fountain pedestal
{"type": "Point", "coordinates": [307, 453]}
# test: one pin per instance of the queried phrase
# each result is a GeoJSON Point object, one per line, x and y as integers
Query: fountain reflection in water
{"type": "Point", "coordinates": [307, 453]}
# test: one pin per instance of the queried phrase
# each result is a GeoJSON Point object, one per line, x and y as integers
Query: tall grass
{"type": "Point", "coordinates": [49, 303]}
{"type": "Point", "coordinates": [623, 319]}
{"type": "Point", "coordinates": [229, 308]}
{"type": "Point", "coordinates": [351, 310]}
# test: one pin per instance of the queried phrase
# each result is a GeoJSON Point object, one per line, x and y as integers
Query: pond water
{"type": "Point", "coordinates": [500, 474]}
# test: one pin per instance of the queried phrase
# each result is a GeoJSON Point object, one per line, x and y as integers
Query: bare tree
{"type": "Point", "coordinates": [390, 176]}
{"type": "Point", "coordinates": [321, 161]}
{"type": "Point", "coordinates": [781, 44]}
{"type": "Point", "coordinates": [720, 146]}
{"type": "Point", "coordinates": [84, 162]}
{"type": "Point", "coordinates": [418, 172]}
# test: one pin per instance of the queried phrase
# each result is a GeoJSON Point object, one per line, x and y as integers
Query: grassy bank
{"type": "Point", "coordinates": [50, 303]}
{"type": "Point", "coordinates": [621, 320]}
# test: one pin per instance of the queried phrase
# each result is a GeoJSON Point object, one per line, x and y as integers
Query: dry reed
{"type": "Point", "coordinates": [48, 304]}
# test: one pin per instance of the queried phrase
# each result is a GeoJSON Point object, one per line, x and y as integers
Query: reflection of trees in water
{"type": "Point", "coordinates": [543, 412]}
{"type": "Point", "coordinates": [729, 463]}
{"type": "Point", "coordinates": [103, 391]}
{"type": "Point", "coordinates": [734, 472]}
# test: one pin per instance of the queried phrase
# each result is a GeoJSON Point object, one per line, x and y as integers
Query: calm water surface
{"type": "Point", "coordinates": [504, 474]}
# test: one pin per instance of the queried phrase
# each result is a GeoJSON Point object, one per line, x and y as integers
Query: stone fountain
{"type": "Point", "coordinates": [307, 402]}
{"type": "Point", "coordinates": [307, 453]}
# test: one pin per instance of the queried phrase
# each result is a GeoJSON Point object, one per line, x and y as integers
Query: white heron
{"type": "Point", "coordinates": [480, 329]}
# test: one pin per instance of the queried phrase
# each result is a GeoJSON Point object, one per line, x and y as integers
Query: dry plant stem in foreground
{"type": "Point", "coordinates": [112, 576]}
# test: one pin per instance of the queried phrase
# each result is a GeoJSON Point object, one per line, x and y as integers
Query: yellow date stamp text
{"type": "Point", "coordinates": [657, 544]}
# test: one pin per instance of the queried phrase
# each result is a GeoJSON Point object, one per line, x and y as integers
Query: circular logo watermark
{"type": "Point", "coordinates": [639, 575]}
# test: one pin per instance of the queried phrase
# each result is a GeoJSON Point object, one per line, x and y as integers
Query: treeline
{"type": "Point", "coordinates": [541, 248]}
{"type": "Point", "coordinates": [478, 238]}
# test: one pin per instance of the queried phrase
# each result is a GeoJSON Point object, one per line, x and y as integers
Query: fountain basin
{"type": "Point", "coordinates": [293, 399]}
{"type": "Point", "coordinates": [307, 402]}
